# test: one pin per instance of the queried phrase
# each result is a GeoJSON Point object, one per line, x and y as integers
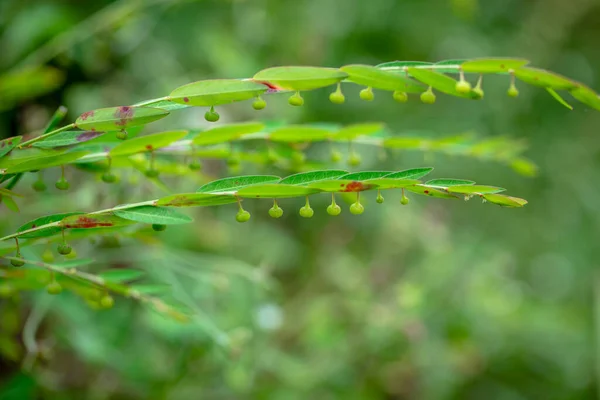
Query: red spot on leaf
{"type": "Point", "coordinates": [502, 66]}
{"type": "Point", "coordinates": [33, 226]}
{"type": "Point", "coordinates": [426, 192]}
{"type": "Point", "coordinates": [149, 147]}
{"type": "Point", "coordinates": [10, 142]}
{"type": "Point", "coordinates": [87, 222]}
{"type": "Point", "coordinates": [180, 201]}
{"type": "Point", "coordinates": [86, 115]}
{"type": "Point", "coordinates": [356, 186]}
{"type": "Point", "coordinates": [88, 135]}
{"type": "Point", "coordinates": [185, 99]}
{"type": "Point", "coordinates": [125, 114]}
{"type": "Point", "coordinates": [272, 88]}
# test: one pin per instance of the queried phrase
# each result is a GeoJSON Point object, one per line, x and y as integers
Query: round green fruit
{"type": "Point", "coordinates": [54, 288]}
{"type": "Point", "coordinates": [298, 157]}
{"type": "Point", "coordinates": [122, 135]}
{"type": "Point", "coordinates": [428, 97]}
{"type": "Point", "coordinates": [106, 301]}
{"type": "Point", "coordinates": [39, 186]}
{"type": "Point", "coordinates": [195, 166]}
{"type": "Point", "coordinates": [379, 198]}
{"type": "Point", "coordinates": [400, 97]}
{"type": "Point", "coordinates": [47, 256]}
{"type": "Point", "coordinates": [18, 262]}
{"type": "Point", "coordinates": [242, 216]}
{"type": "Point", "coordinates": [354, 159]}
{"type": "Point", "coordinates": [159, 227]}
{"type": "Point", "coordinates": [334, 209]}
{"type": "Point", "coordinates": [64, 249]}
{"type": "Point", "coordinates": [211, 115]}
{"type": "Point", "coordinates": [296, 100]}
{"type": "Point", "coordinates": [357, 208]}
{"type": "Point", "coordinates": [276, 211]}
{"type": "Point", "coordinates": [367, 94]}
{"type": "Point", "coordinates": [336, 156]}
{"type": "Point", "coordinates": [306, 211]}
{"type": "Point", "coordinates": [62, 184]}
{"type": "Point", "coordinates": [404, 200]}
{"type": "Point", "coordinates": [337, 97]}
{"type": "Point", "coordinates": [259, 104]}
{"type": "Point", "coordinates": [513, 91]}
{"type": "Point", "coordinates": [152, 173]}
{"type": "Point", "coordinates": [478, 92]}
{"type": "Point", "coordinates": [463, 87]}
{"type": "Point", "coordinates": [107, 177]}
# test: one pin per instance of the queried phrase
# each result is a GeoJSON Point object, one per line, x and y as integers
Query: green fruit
{"type": "Point", "coordinates": [400, 97]}
{"type": "Point", "coordinates": [478, 91]}
{"type": "Point", "coordinates": [107, 177]}
{"type": "Point", "coordinates": [259, 104]}
{"type": "Point", "coordinates": [47, 256]}
{"type": "Point", "coordinates": [354, 159]}
{"type": "Point", "coordinates": [404, 200]}
{"type": "Point", "coordinates": [513, 91]}
{"type": "Point", "coordinates": [298, 157]}
{"type": "Point", "coordinates": [54, 288]}
{"type": "Point", "coordinates": [17, 262]}
{"type": "Point", "coordinates": [62, 184]}
{"type": "Point", "coordinates": [379, 198]}
{"type": "Point", "coordinates": [122, 134]}
{"type": "Point", "coordinates": [159, 227]}
{"type": "Point", "coordinates": [296, 100]}
{"type": "Point", "coordinates": [367, 94]}
{"type": "Point", "coordinates": [211, 115]}
{"type": "Point", "coordinates": [106, 301]}
{"type": "Point", "coordinates": [195, 166]}
{"type": "Point", "coordinates": [152, 173]}
{"type": "Point", "coordinates": [275, 211]}
{"type": "Point", "coordinates": [6, 290]}
{"type": "Point", "coordinates": [428, 97]}
{"type": "Point", "coordinates": [306, 211]}
{"type": "Point", "coordinates": [234, 160]}
{"type": "Point", "coordinates": [357, 208]}
{"type": "Point", "coordinates": [337, 97]}
{"type": "Point", "coordinates": [334, 209]}
{"type": "Point", "coordinates": [336, 156]}
{"type": "Point", "coordinates": [39, 186]}
{"type": "Point", "coordinates": [242, 216]}
{"type": "Point", "coordinates": [64, 249]}
{"type": "Point", "coordinates": [463, 87]}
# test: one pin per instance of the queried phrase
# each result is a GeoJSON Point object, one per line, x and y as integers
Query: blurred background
{"type": "Point", "coordinates": [435, 300]}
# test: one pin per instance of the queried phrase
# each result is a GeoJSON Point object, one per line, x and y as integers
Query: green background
{"type": "Point", "coordinates": [436, 300]}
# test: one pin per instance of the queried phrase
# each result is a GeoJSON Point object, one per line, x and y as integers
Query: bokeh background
{"type": "Point", "coordinates": [436, 300]}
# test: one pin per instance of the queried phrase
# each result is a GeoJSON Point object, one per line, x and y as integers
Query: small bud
{"type": "Point", "coordinates": [211, 115]}
{"type": "Point", "coordinates": [158, 227]}
{"type": "Point", "coordinates": [122, 134]}
{"type": "Point", "coordinates": [400, 97]}
{"type": "Point", "coordinates": [367, 94]}
{"type": "Point", "coordinates": [428, 97]}
{"type": "Point", "coordinates": [259, 103]}
{"type": "Point", "coordinates": [296, 100]}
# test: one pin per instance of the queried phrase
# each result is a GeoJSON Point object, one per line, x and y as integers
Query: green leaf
{"type": "Point", "coordinates": [440, 82]}
{"type": "Point", "coordinates": [304, 178]}
{"type": "Point", "coordinates": [10, 203]}
{"type": "Point", "coordinates": [449, 66]}
{"type": "Point", "coordinates": [121, 275]}
{"type": "Point", "coordinates": [23, 155]}
{"type": "Point", "coordinates": [300, 78]}
{"type": "Point", "coordinates": [474, 189]}
{"type": "Point", "coordinates": [9, 193]}
{"type": "Point", "coordinates": [227, 133]}
{"type": "Point", "coordinates": [216, 91]}
{"type": "Point", "coordinates": [67, 138]}
{"type": "Point", "coordinates": [162, 103]}
{"type": "Point", "coordinates": [115, 118]}
{"type": "Point", "coordinates": [448, 182]}
{"type": "Point", "coordinates": [342, 185]}
{"type": "Point", "coordinates": [195, 200]}
{"type": "Point", "coordinates": [76, 263]}
{"type": "Point", "coordinates": [493, 65]}
{"type": "Point", "coordinates": [430, 191]}
{"type": "Point", "coordinates": [363, 176]}
{"type": "Point", "coordinates": [505, 201]}
{"type": "Point", "coordinates": [587, 96]}
{"type": "Point", "coordinates": [299, 133]}
{"type": "Point", "coordinates": [236, 182]}
{"type": "Point", "coordinates": [46, 162]}
{"type": "Point", "coordinates": [350, 132]}
{"type": "Point", "coordinates": [558, 98]}
{"type": "Point", "coordinates": [524, 166]}
{"type": "Point", "coordinates": [90, 221]}
{"type": "Point", "coordinates": [154, 215]}
{"type": "Point", "coordinates": [400, 65]}
{"type": "Point", "coordinates": [413, 173]}
{"type": "Point", "coordinates": [8, 144]}
{"type": "Point", "coordinates": [379, 79]}
{"type": "Point", "coordinates": [274, 190]}
{"type": "Point", "coordinates": [391, 183]}
{"type": "Point", "coordinates": [543, 78]}
{"type": "Point", "coordinates": [147, 143]}
{"type": "Point", "coordinates": [150, 289]}
{"type": "Point", "coordinates": [406, 143]}
{"type": "Point", "coordinates": [48, 219]}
